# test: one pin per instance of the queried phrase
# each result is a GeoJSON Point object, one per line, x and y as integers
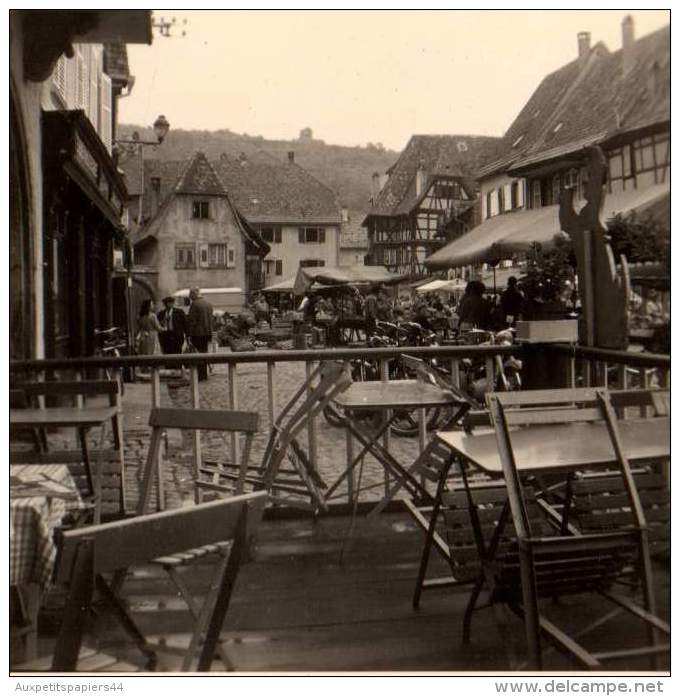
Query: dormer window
{"type": "Point", "coordinates": [462, 146]}
{"type": "Point", "coordinates": [558, 127]}
{"type": "Point", "coordinates": [518, 141]}
{"type": "Point", "coordinates": [200, 210]}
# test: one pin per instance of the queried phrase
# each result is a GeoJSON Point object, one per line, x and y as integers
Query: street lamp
{"type": "Point", "coordinates": [135, 145]}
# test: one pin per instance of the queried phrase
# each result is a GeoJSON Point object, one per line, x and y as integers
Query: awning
{"type": "Point", "coordinates": [432, 286]}
{"type": "Point", "coordinates": [284, 287]}
{"type": "Point", "coordinates": [505, 235]}
{"type": "Point", "coordinates": [353, 275]}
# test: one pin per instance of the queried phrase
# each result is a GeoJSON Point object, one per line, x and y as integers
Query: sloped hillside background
{"type": "Point", "coordinates": [346, 170]}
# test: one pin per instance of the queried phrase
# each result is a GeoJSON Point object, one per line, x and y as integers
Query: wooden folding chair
{"type": "Point", "coordinates": [90, 553]}
{"type": "Point", "coordinates": [299, 484]}
{"type": "Point", "coordinates": [548, 567]}
{"type": "Point", "coordinates": [161, 419]}
{"type": "Point", "coordinates": [113, 501]}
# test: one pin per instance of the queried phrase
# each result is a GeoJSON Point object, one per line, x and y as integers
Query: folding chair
{"type": "Point", "coordinates": [112, 475]}
{"type": "Point", "coordinates": [540, 566]}
{"type": "Point", "coordinates": [160, 419]}
{"type": "Point", "coordinates": [299, 484]}
{"type": "Point", "coordinates": [88, 554]}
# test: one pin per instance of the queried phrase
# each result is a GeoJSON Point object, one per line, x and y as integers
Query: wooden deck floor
{"type": "Point", "coordinates": [297, 608]}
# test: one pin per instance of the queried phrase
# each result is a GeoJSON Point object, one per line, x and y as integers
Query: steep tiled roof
{"type": "Point", "coordinates": [267, 190]}
{"type": "Point", "coordinates": [453, 155]}
{"type": "Point", "coordinates": [261, 187]}
{"type": "Point", "coordinates": [199, 178]}
{"type": "Point", "coordinates": [574, 107]}
{"type": "Point", "coordinates": [116, 61]}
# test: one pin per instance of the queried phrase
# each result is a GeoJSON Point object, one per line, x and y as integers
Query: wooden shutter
{"type": "Point", "coordinates": [203, 255]}
{"type": "Point", "coordinates": [80, 79]}
{"type": "Point", "coordinates": [93, 102]}
{"type": "Point", "coordinates": [322, 235]}
{"type": "Point", "coordinates": [277, 235]}
{"type": "Point", "coordinates": [231, 257]}
{"type": "Point", "coordinates": [106, 115]}
{"type": "Point", "coordinates": [279, 268]}
{"type": "Point", "coordinates": [520, 193]}
{"type": "Point", "coordinates": [301, 235]}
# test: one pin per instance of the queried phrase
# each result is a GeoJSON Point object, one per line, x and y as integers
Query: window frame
{"type": "Point", "coordinates": [200, 209]}
{"type": "Point", "coordinates": [180, 250]}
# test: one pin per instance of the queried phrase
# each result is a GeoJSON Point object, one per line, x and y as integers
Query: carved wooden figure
{"type": "Point", "coordinates": [604, 289]}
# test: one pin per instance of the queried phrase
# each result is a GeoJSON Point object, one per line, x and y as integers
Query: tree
{"type": "Point", "coordinates": [639, 239]}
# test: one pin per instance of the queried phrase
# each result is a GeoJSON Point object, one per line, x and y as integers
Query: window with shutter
{"type": "Point", "coordinates": [106, 129]}
{"type": "Point", "coordinates": [277, 235]}
{"type": "Point", "coordinates": [301, 235]}
{"type": "Point", "coordinates": [80, 79]}
{"type": "Point", "coordinates": [59, 77]}
{"type": "Point", "coordinates": [231, 257]}
{"type": "Point", "coordinates": [204, 260]}
{"type": "Point", "coordinates": [507, 197]}
{"type": "Point", "coordinates": [279, 267]}
{"type": "Point", "coordinates": [322, 235]}
{"type": "Point", "coordinates": [93, 101]}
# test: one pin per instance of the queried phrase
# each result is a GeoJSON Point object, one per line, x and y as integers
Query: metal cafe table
{"type": "Point", "coordinates": [385, 396]}
{"type": "Point", "coordinates": [532, 443]}
{"type": "Point", "coordinates": [80, 418]}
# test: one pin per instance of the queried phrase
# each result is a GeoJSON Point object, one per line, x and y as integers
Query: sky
{"type": "Point", "coordinates": [358, 76]}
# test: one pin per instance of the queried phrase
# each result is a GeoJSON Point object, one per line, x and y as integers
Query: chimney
{"type": "Point", "coordinates": [344, 212]}
{"type": "Point", "coordinates": [627, 42]}
{"type": "Point", "coordinates": [583, 38]}
{"type": "Point", "coordinates": [375, 186]}
{"type": "Point", "coordinates": [420, 180]}
{"type": "Point", "coordinates": [291, 156]}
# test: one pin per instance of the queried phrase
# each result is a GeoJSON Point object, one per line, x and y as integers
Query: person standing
{"type": "Point", "coordinates": [174, 321]}
{"type": "Point", "coordinates": [148, 328]}
{"type": "Point", "coordinates": [199, 327]}
{"type": "Point", "coordinates": [511, 302]}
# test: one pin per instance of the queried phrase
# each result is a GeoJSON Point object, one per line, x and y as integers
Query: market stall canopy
{"type": "Point", "coordinates": [502, 236]}
{"type": "Point", "coordinates": [285, 287]}
{"type": "Point", "coordinates": [432, 286]}
{"type": "Point", "coordinates": [353, 275]}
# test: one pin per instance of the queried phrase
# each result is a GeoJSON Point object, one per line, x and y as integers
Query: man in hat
{"type": "Point", "coordinates": [200, 327]}
{"type": "Point", "coordinates": [174, 321]}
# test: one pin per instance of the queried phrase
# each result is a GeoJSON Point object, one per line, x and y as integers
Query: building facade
{"type": "Point", "coordinates": [618, 100]}
{"type": "Point", "coordinates": [428, 199]}
{"type": "Point", "coordinates": [67, 198]}
{"type": "Point", "coordinates": [195, 237]}
{"type": "Point", "coordinates": [353, 239]}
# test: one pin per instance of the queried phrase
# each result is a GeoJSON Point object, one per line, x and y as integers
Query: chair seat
{"type": "Point", "coordinates": [89, 660]}
{"type": "Point", "coordinates": [190, 555]}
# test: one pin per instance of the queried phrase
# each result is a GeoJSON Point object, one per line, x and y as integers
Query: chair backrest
{"type": "Point", "coordinates": [487, 501]}
{"type": "Point", "coordinates": [72, 388]}
{"type": "Point", "coordinates": [246, 422]}
{"type": "Point", "coordinates": [141, 539]}
{"type": "Point", "coordinates": [307, 402]}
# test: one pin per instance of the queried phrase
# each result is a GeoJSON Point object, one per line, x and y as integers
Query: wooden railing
{"type": "Point", "coordinates": [588, 366]}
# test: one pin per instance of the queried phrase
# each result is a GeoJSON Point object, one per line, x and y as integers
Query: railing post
{"type": "Point", "coordinates": [196, 403]}
{"type": "Point", "coordinates": [455, 373]}
{"type": "Point", "coordinates": [155, 403]}
{"type": "Point", "coordinates": [644, 383]}
{"type": "Point", "coordinates": [233, 404]}
{"type": "Point", "coordinates": [311, 422]}
{"type": "Point", "coordinates": [488, 369]}
{"type": "Point", "coordinates": [271, 393]}
{"type": "Point", "coordinates": [350, 458]}
{"type": "Point", "coordinates": [572, 371]}
{"type": "Point", "coordinates": [384, 377]}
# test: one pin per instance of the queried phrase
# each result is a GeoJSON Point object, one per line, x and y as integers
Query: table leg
{"type": "Point", "coordinates": [29, 596]}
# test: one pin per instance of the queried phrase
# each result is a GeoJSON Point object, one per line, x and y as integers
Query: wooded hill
{"type": "Point", "coordinates": [346, 170]}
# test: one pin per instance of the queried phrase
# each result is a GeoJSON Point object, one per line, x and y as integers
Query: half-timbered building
{"type": "Point", "coordinates": [429, 198]}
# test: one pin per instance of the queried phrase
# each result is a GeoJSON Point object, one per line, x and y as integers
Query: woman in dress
{"type": "Point", "coordinates": [148, 327]}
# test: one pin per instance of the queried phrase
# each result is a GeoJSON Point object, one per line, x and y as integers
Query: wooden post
{"type": "Point", "coordinates": [196, 403]}
{"type": "Point", "coordinates": [488, 369]}
{"type": "Point", "coordinates": [155, 403]}
{"type": "Point", "coordinates": [384, 377]}
{"type": "Point", "coordinates": [311, 422]}
{"type": "Point", "coordinates": [233, 404]}
{"type": "Point", "coordinates": [271, 393]}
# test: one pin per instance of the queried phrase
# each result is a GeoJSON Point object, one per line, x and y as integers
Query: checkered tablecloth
{"type": "Point", "coordinates": [34, 517]}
